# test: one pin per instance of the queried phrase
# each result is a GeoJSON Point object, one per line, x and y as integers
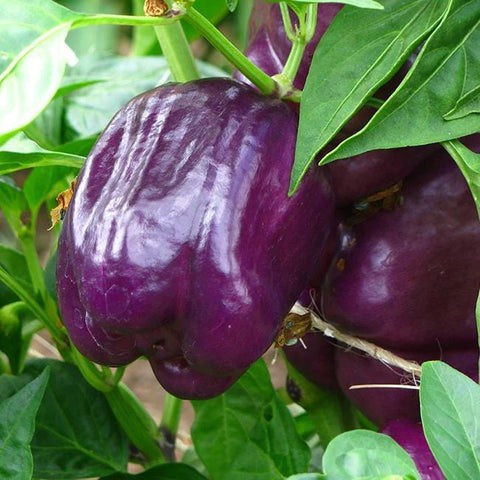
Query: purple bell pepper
{"type": "Point", "coordinates": [181, 244]}
{"type": "Point", "coordinates": [409, 277]}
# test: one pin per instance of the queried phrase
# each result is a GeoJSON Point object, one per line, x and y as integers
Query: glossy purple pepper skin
{"type": "Point", "coordinates": [316, 362]}
{"type": "Point", "coordinates": [409, 277]}
{"type": "Point", "coordinates": [410, 437]}
{"type": "Point", "coordinates": [181, 244]}
{"type": "Point", "coordinates": [383, 405]}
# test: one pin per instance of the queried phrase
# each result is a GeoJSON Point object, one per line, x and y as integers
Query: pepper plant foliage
{"type": "Point", "coordinates": [70, 419]}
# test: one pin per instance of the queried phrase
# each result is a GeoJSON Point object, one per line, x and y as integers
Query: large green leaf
{"type": "Point", "coordinates": [33, 59]}
{"type": "Point", "coordinates": [469, 164]}
{"type": "Point", "coordinates": [76, 434]}
{"type": "Point", "coordinates": [450, 409]}
{"type": "Point", "coordinates": [168, 471]}
{"type": "Point", "coordinates": [248, 432]}
{"type": "Point", "coordinates": [359, 52]}
{"type": "Point", "coordinates": [448, 66]}
{"type": "Point", "coordinates": [365, 454]}
{"type": "Point", "coordinates": [17, 424]}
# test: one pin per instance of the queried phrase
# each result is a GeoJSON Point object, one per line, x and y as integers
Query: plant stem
{"type": "Point", "coordinates": [294, 59]}
{"type": "Point", "coordinates": [172, 411]}
{"type": "Point", "coordinates": [130, 20]}
{"type": "Point", "coordinates": [259, 78]}
{"type": "Point", "coordinates": [175, 47]}
{"type": "Point", "coordinates": [51, 323]}
{"type": "Point", "coordinates": [287, 22]}
{"type": "Point", "coordinates": [90, 372]}
{"type": "Point", "coordinates": [136, 422]}
{"type": "Point", "coordinates": [31, 256]}
{"type": "Point", "coordinates": [300, 36]}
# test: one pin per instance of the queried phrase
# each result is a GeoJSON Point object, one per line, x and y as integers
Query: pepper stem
{"type": "Point", "coordinates": [136, 422]}
{"type": "Point", "coordinates": [173, 43]}
{"type": "Point", "coordinates": [175, 47]}
{"type": "Point", "coordinates": [300, 37]}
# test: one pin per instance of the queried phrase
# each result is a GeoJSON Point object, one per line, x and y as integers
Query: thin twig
{"type": "Point", "coordinates": [370, 349]}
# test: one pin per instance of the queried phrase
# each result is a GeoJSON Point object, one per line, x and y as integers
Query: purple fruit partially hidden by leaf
{"type": "Point", "coordinates": [410, 437]}
{"type": "Point", "coordinates": [409, 277]}
{"type": "Point", "coordinates": [384, 404]}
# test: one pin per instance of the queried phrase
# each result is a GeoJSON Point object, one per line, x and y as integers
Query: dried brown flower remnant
{"type": "Point", "coordinates": [294, 327]}
{"type": "Point", "coordinates": [63, 199]}
{"type": "Point", "coordinates": [155, 8]}
{"type": "Point", "coordinates": [387, 199]}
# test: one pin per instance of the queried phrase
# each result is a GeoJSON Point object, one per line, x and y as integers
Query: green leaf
{"type": "Point", "coordinates": [467, 104]}
{"type": "Point", "coordinates": [67, 88]}
{"type": "Point", "coordinates": [469, 164]}
{"type": "Point", "coordinates": [17, 424]}
{"type": "Point", "coordinates": [248, 432]}
{"type": "Point", "coordinates": [46, 129]}
{"type": "Point", "coordinates": [12, 202]}
{"type": "Point", "coordinates": [81, 146]}
{"type": "Point", "coordinates": [13, 161]}
{"type": "Point", "coordinates": [45, 183]}
{"type": "Point", "coordinates": [20, 152]}
{"type": "Point", "coordinates": [450, 410]}
{"type": "Point", "coordinates": [366, 454]}
{"type": "Point", "coordinates": [32, 43]}
{"type": "Point", "coordinates": [168, 471]}
{"type": "Point", "coordinates": [76, 434]}
{"type": "Point", "coordinates": [448, 66]}
{"type": "Point", "coordinates": [231, 5]}
{"type": "Point", "coordinates": [359, 52]}
{"type": "Point", "coordinates": [329, 410]}
{"type": "Point", "coordinates": [87, 111]}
